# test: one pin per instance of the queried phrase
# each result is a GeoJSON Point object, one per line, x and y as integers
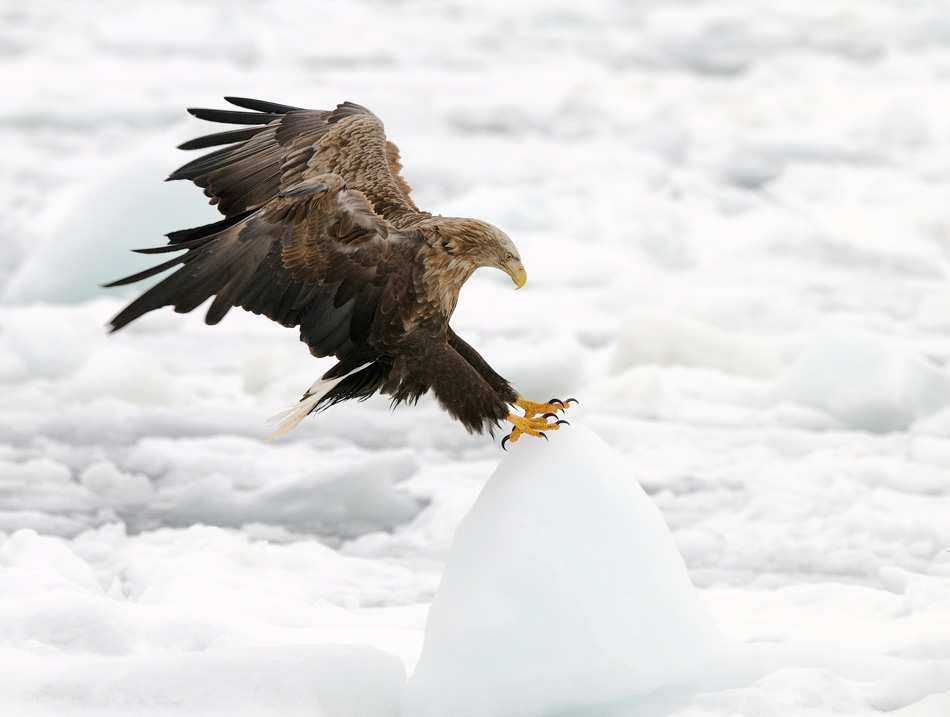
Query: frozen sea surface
{"type": "Point", "coordinates": [734, 221]}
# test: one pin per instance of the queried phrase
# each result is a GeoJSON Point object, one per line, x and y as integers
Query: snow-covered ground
{"type": "Point", "coordinates": [734, 218]}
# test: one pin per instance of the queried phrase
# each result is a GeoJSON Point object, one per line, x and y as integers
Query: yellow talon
{"type": "Point", "coordinates": [535, 419]}
{"type": "Point", "coordinates": [529, 425]}
{"type": "Point", "coordinates": [533, 409]}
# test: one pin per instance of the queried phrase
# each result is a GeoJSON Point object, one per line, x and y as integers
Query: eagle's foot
{"type": "Point", "coordinates": [532, 408]}
{"type": "Point", "coordinates": [531, 425]}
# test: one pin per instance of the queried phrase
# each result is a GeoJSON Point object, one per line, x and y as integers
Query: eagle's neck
{"type": "Point", "coordinates": [454, 253]}
{"type": "Point", "coordinates": [445, 274]}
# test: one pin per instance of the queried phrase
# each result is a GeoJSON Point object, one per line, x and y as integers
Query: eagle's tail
{"type": "Point", "coordinates": [311, 399]}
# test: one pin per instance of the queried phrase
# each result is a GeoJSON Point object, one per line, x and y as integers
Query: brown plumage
{"type": "Point", "coordinates": [319, 233]}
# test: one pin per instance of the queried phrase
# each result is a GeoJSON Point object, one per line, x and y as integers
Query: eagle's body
{"type": "Point", "coordinates": [319, 233]}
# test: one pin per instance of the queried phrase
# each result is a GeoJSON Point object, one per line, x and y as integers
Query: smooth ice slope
{"type": "Point", "coordinates": [563, 589]}
{"type": "Point", "coordinates": [128, 207]}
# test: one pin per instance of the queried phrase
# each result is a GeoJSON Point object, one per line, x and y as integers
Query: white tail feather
{"type": "Point", "coordinates": [290, 417]}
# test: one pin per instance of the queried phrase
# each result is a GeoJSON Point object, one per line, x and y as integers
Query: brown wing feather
{"type": "Point", "coordinates": [291, 146]}
{"type": "Point", "coordinates": [313, 258]}
{"type": "Point", "coordinates": [320, 233]}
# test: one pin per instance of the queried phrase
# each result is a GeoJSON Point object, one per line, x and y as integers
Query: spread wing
{"type": "Point", "coordinates": [280, 146]}
{"type": "Point", "coordinates": [307, 196]}
{"type": "Point", "coordinates": [315, 256]}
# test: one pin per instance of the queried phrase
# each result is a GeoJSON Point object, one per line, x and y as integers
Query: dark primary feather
{"type": "Point", "coordinates": [116, 324]}
{"type": "Point", "coordinates": [212, 140]}
{"type": "Point", "coordinates": [233, 116]}
{"type": "Point", "coordinates": [183, 236]}
{"type": "Point", "coordinates": [260, 105]}
{"type": "Point", "coordinates": [240, 261]}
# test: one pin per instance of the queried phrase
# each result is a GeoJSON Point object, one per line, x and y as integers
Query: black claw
{"type": "Point", "coordinates": [562, 421]}
{"type": "Point", "coordinates": [572, 400]}
{"type": "Point", "coordinates": [549, 415]}
{"type": "Point", "coordinates": [557, 401]}
{"type": "Point", "coordinates": [504, 441]}
{"type": "Point", "coordinates": [544, 436]}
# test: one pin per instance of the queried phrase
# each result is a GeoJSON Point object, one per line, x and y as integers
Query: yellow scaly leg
{"type": "Point", "coordinates": [535, 419]}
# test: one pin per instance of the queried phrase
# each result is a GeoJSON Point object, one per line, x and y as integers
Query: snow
{"type": "Point", "coordinates": [563, 589]}
{"type": "Point", "coordinates": [733, 219]}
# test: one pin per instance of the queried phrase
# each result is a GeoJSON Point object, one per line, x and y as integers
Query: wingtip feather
{"type": "Point", "coordinates": [259, 105]}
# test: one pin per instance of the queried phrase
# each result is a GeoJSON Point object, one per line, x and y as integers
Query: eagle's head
{"type": "Point", "coordinates": [482, 244]}
{"type": "Point", "coordinates": [504, 255]}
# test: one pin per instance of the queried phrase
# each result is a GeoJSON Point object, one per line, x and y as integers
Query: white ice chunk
{"type": "Point", "coordinates": [230, 481]}
{"type": "Point", "coordinates": [129, 207]}
{"type": "Point", "coordinates": [262, 368]}
{"type": "Point", "coordinates": [563, 589]}
{"type": "Point", "coordinates": [866, 381]}
{"type": "Point", "coordinates": [317, 681]}
{"type": "Point", "coordinates": [125, 373]}
{"type": "Point", "coordinates": [42, 341]}
{"type": "Point", "coordinates": [118, 487]}
{"type": "Point", "coordinates": [652, 338]}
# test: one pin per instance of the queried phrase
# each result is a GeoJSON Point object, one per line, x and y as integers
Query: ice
{"type": "Point", "coordinates": [562, 589]}
{"type": "Point", "coordinates": [124, 373]}
{"type": "Point", "coordinates": [646, 338]}
{"type": "Point", "coordinates": [866, 381]}
{"type": "Point", "coordinates": [28, 348]}
{"type": "Point", "coordinates": [127, 208]}
{"type": "Point", "coordinates": [316, 681]}
{"type": "Point", "coordinates": [218, 482]}
{"type": "Point", "coordinates": [225, 482]}
{"type": "Point", "coordinates": [733, 217]}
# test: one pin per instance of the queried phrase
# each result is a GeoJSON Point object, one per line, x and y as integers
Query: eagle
{"type": "Point", "coordinates": [320, 233]}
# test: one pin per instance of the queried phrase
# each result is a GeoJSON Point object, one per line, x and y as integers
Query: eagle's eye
{"type": "Point", "coordinates": [508, 257]}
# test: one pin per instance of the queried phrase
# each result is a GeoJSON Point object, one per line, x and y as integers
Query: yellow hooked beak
{"type": "Point", "coordinates": [517, 273]}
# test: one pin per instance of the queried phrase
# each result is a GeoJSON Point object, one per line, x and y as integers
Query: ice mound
{"type": "Point", "coordinates": [866, 381]}
{"type": "Point", "coordinates": [563, 590]}
{"type": "Point", "coordinates": [653, 338]}
{"type": "Point", "coordinates": [129, 207]}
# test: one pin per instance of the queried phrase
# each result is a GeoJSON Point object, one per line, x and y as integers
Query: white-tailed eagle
{"type": "Point", "coordinates": [319, 232]}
